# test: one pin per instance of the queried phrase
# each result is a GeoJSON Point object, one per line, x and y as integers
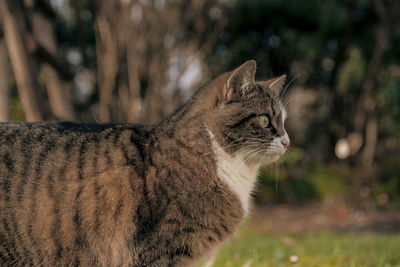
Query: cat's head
{"type": "Point", "coordinates": [246, 118]}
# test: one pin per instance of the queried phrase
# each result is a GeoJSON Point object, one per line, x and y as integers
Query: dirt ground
{"type": "Point", "coordinates": [315, 217]}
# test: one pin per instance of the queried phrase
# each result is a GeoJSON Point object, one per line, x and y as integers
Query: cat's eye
{"type": "Point", "coordinates": [264, 121]}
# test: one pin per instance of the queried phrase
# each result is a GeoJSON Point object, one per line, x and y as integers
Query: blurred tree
{"type": "Point", "coordinates": [366, 118]}
{"type": "Point", "coordinates": [22, 66]}
{"type": "Point", "coordinates": [42, 15]}
{"type": "Point", "coordinates": [4, 82]}
{"type": "Point", "coordinates": [137, 42]}
{"type": "Point", "coordinates": [28, 31]}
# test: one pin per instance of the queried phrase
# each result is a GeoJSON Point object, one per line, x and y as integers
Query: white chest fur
{"type": "Point", "coordinates": [233, 171]}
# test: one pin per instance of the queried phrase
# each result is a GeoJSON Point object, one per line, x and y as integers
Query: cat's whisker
{"type": "Point", "coordinates": [295, 96]}
{"type": "Point", "coordinates": [288, 84]}
{"type": "Point", "coordinates": [265, 155]}
{"type": "Point", "coordinates": [249, 152]}
{"type": "Point", "coordinates": [251, 157]}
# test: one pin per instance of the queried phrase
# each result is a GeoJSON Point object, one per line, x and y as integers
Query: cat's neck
{"type": "Point", "coordinates": [187, 121]}
{"type": "Point", "coordinates": [194, 110]}
{"type": "Point", "coordinates": [238, 174]}
{"type": "Point", "coordinates": [188, 125]}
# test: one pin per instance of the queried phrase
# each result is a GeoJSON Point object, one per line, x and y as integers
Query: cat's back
{"type": "Point", "coordinates": [27, 147]}
{"type": "Point", "coordinates": [37, 132]}
{"type": "Point", "coordinates": [56, 181]}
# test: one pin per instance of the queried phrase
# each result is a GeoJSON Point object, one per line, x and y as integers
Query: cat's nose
{"type": "Point", "coordinates": [285, 142]}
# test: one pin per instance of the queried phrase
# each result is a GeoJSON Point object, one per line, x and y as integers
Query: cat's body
{"type": "Point", "coordinates": [128, 195]}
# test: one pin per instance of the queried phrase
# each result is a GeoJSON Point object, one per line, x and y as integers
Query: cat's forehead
{"type": "Point", "coordinates": [263, 100]}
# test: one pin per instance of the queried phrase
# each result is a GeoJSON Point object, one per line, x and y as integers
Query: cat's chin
{"type": "Point", "coordinates": [263, 159]}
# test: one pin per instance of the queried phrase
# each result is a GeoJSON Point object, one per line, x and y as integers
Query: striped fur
{"type": "Point", "coordinates": [79, 194]}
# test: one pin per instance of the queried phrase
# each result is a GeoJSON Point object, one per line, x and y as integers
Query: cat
{"type": "Point", "coordinates": [83, 194]}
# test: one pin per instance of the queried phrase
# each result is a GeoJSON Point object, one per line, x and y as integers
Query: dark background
{"type": "Point", "coordinates": [136, 61]}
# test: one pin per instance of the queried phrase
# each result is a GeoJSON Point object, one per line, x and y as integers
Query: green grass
{"type": "Point", "coordinates": [326, 248]}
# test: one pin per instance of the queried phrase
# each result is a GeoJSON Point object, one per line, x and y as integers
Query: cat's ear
{"type": "Point", "coordinates": [240, 80]}
{"type": "Point", "coordinates": [275, 85]}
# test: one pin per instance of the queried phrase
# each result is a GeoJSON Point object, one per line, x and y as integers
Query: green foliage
{"type": "Point", "coordinates": [352, 72]}
{"type": "Point", "coordinates": [390, 183]}
{"type": "Point", "coordinates": [17, 112]}
{"type": "Point", "coordinates": [319, 181]}
{"type": "Point", "coordinates": [292, 157]}
{"type": "Point", "coordinates": [277, 183]}
{"type": "Point", "coordinates": [329, 180]}
{"type": "Point", "coordinates": [388, 99]}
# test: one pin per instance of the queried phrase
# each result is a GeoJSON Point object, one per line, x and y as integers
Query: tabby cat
{"type": "Point", "coordinates": [81, 194]}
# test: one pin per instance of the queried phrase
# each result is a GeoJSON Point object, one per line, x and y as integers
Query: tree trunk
{"type": "Point", "coordinates": [153, 105]}
{"type": "Point", "coordinates": [57, 90]}
{"type": "Point", "coordinates": [107, 65]}
{"type": "Point", "coordinates": [4, 83]}
{"type": "Point", "coordinates": [135, 100]}
{"type": "Point", "coordinates": [26, 84]}
{"type": "Point", "coordinates": [366, 118]}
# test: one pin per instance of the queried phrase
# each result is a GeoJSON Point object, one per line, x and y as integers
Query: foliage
{"type": "Point", "coordinates": [17, 113]}
{"type": "Point", "coordinates": [318, 181]}
{"type": "Point", "coordinates": [390, 183]}
{"type": "Point", "coordinates": [328, 180]}
{"type": "Point", "coordinates": [276, 182]}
